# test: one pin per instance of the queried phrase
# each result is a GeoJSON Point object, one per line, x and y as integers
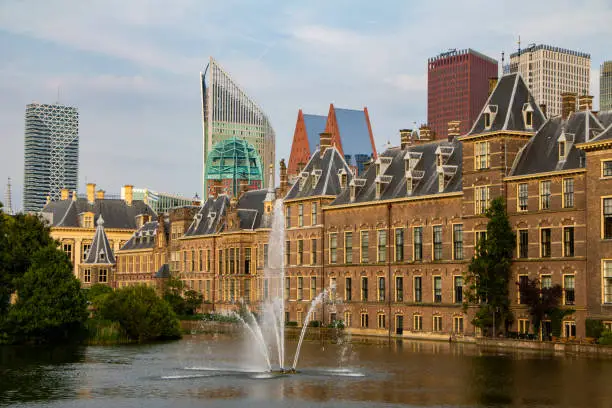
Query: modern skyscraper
{"type": "Point", "coordinates": [457, 88]}
{"type": "Point", "coordinates": [51, 153]}
{"type": "Point", "coordinates": [605, 86]}
{"type": "Point", "coordinates": [550, 71]}
{"type": "Point", "coordinates": [227, 111]}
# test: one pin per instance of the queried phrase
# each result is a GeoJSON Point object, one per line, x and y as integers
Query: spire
{"type": "Point", "coordinates": [100, 251]}
{"type": "Point", "coordinates": [271, 195]}
{"type": "Point", "coordinates": [8, 198]}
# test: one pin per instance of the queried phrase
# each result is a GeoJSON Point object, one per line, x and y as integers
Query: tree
{"type": "Point", "coordinates": [541, 303]}
{"type": "Point", "coordinates": [193, 300]}
{"type": "Point", "coordinates": [141, 314]}
{"type": "Point", "coordinates": [50, 306]}
{"type": "Point", "coordinates": [172, 294]}
{"type": "Point", "coordinates": [97, 293]}
{"type": "Point", "coordinates": [488, 273]}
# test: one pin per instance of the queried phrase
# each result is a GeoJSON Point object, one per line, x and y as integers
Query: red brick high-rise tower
{"type": "Point", "coordinates": [457, 88]}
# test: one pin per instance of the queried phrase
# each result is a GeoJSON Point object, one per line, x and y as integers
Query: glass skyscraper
{"type": "Point", "coordinates": [228, 112]}
{"type": "Point", "coordinates": [605, 86]}
{"type": "Point", "coordinates": [51, 159]}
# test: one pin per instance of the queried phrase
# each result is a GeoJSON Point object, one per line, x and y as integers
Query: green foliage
{"type": "Point", "coordinates": [489, 270]}
{"type": "Point", "coordinates": [50, 306]}
{"type": "Point", "coordinates": [606, 338]}
{"type": "Point", "coordinates": [314, 323]}
{"type": "Point", "coordinates": [291, 324]}
{"type": "Point", "coordinates": [104, 332]}
{"type": "Point", "coordinates": [556, 320]}
{"type": "Point", "coordinates": [336, 324]}
{"type": "Point", "coordinates": [193, 300]}
{"type": "Point", "coordinates": [97, 293]}
{"type": "Point", "coordinates": [594, 328]}
{"type": "Point", "coordinates": [143, 316]}
{"type": "Point", "coordinates": [541, 303]}
{"type": "Point", "coordinates": [172, 294]}
{"type": "Point", "coordinates": [218, 317]}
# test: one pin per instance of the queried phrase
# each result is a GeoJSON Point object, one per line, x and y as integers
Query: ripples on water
{"type": "Point", "coordinates": [219, 371]}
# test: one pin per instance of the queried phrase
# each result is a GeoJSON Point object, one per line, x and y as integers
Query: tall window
{"type": "Point", "coordinates": [364, 320]}
{"type": "Point", "coordinates": [458, 324]}
{"type": "Point", "coordinates": [287, 252]}
{"type": "Point", "coordinates": [458, 242]}
{"type": "Point", "coordinates": [568, 241]}
{"type": "Point", "coordinates": [247, 261]}
{"type": "Point", "coordinates": [300, 245]}
{"type": "Point", "coordinates": [103, 276]}
{"type": "Point", "coordinates": [399, 244]}
{"type": "Point", "coordinates": [313, 287]}
{"type": "Point", "coordinates": [300, 215]}
{"type": "Point", "coordinates": [546, 281]}
{"type": "Point", "coordinates": [381, 289]}
{"type": "Point", "coordinates": [333, 246]}
{"type": "Point", "coordinates": [208, 260]}
{"type": "Point", "coordinates": [300, 288]}
{"type": "Point", "coordinates": [544, 195]}
{"type": "Point", "coordinates": [348, 289]}
{"type": "Point", "coordinates": [523, 280]}
{"type": "Point", "coordinates": [247, 290]}
{"type": "Point", "coordinates": [68, 250]}
{"type": "Point", "coordinates": [437, 238]}
{"type": "Point", "coordinates": [569, 282]}
{"type": "Point", "coordinates": [220, 263]}
{"type": "Point", "coordinates": [561, 150]}
{"type": "Point", "coordinates": [231, 261]}
{"type": "Point", "coordinates": [607, 282]}
{"type": "Point", "coordinates": [482, 155]}
{"type": "Point", "coordinates": [87, 276]}
{"type": "Point", "coordinates": [545, 242]}
{"type": "Point", "coordinates": [568, 193]}
{"type": "Point", "coordinates": [607, 168]}
{"type": "Point", "coordinates": [418, 289]}
{"type": "Point", "coordinates": [313, 213]}
{"type": "Point", "coordinates": [523, 196]}
{"type": "Point", "coordinates": [313, 251]}
{"type": "Point", "coordinates": [193, 261]}
{"type": "Point", "coordinates": [458, 289]}
{"type": "Point", "coordinates": [437, 289]}
{"type": "Point", "coordinates": [607, 218]}
{"type": "Point", "coordinates": [481, 199]}
{"type": "Point", "coordinates": [399, 289]}
{"type": "Point", "coordinates": [523, 238]}
{"type": "Point", "coordinates": [364, 289]}
{"type": "Point", "coordinates": [417, 322]}
{"type": "Point", "coordinates": [382, 246]}
{"type": "Point", "coordinates": [86, 248]}
{"type": "Point", "coordinates": [347, 319]}
{"type": "Point", "coordinates": [348, 247]}
{"type": "Point", "coordinates": [418, 243]}
{"type": "Point", "coordinates": [265, 255]}
{"type": "Point", "coordinates": [200, 260]}
{"type": "Point", "coordinates": [381, 321]}
{"type": "Point", "coordinates": [288, 217]}
{"type": "Point", "coordinates": [287, 287]}
{"type": "Point", "coordinates": [365, 246]}
{"type": "Point", "coordinates": [437, 323]}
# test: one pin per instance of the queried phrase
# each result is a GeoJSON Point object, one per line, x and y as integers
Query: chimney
{"type": "Point", "coordinates": [100, 195]}
{"type": "Point", "coordinates": [492, 84]}
{"type": "Point", "coordinates": [283, 178]}
{"type": "Point", "coordinates": [454, 129]}
{"type": "Point", "coordinates": [325, 142]}
{"type": "Point", "coordinates": [405, 138]}
{"type": "Point", "coordinates": [64, 193]}
{"type": "Point", "coordinates": [425, 133]}
{"type": "Point", "coordinates": [128, 194]}
{"type": "Point", "coordinates": [91, 189]}
{"type": "Point", "coordinates": [585, 102]}
{"type": "Point", "coordinates": [543, 109]}
{"type": "Point", "coordinates": [568, 104]}
{"type": "Point", "coordinates": [74, 195]}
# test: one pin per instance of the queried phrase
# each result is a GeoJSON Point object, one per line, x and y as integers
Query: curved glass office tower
{"type": "Point", "coordinates": [228, 112]}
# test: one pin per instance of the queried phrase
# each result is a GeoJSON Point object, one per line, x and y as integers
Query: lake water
{"type": "Point", "coordinates": [219, 371]}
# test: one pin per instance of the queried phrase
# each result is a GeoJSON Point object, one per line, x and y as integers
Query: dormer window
{"type": "Point", "coordinates": [101, 256]}
{"type": "Point", "coordinates": [487, 120]}
{"type": "Point", "coordinates": [316, 174]}
{"type": "Point", "coordinates": [528, 115]}
{"type": "Point", "coordinates": [409, 185]}
{"type": "Point", "coordinates": [378, 169]}
{"type": "Point", "coordinates": [343, 177]}
{"type": "Point", "coordinates": [489, 115]}
{"type": "Point", "coordinates": [440, 182]}
{"type": "Point", "coordinates": [378, 189]}
{"type": "Point", "coordinates": [353, 192]}
{"type": "Point", "coordinates": [561, 150]}
{"type": "Point", "coordinates": [439, 160]}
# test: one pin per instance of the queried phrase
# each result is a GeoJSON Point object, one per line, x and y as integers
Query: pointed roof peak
{"type": "Point", "coordinates": [100, 251]}
{"type": "Point", "coordinates": [100, 221]}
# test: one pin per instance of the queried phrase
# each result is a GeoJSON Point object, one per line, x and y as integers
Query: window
{"type": "Point", "coordinates": [247, 261]}
{"type": "Point", "coordinates": [87, 276]}
{"type": "Point", "coordinates": [561, 150]}
{"type": "Point", "coordinates": [437, 289]}
{"type": "Point", "coordinates": [523, 244]}
{"type": "Point", "coordinates": [300, 215]}
{"type": "Point", "coordinates": [523, 326]}
{"type": "Point", "coordinates": [529, 119]}
{"type": "Point", "coordinates": [68, 250]}
{"type": "Point", "coordinates": [458, 289]}
{"type": "Point", "coordinates": [247, 290]}
{"type": "Point", "coordinates": [458, 242]}
{"type": "Point", "coordinates": [86, 248]}
{"type": "Point", "coordinates": [607, 218]}
{"type": "Point", "coordinates": [607, 168]}
{"type": "Point", "coordinates": [381, 289]}
{"type": "Point", "coordinates": [437, 239]}
{"type": "Point", "coordinates": [313, 287]}
{"type": "Point", "coordinates": [347, 319]}
{"type": "Point", "coordinates": [523, 196]}
{"type": "Point", "coordinates": [568, 241]}
{"type": "Point", "coordinates": [382, 246]}
{"type": "Point", "coordinates": [193, 261]}
{"type": "Point", "coordinates": [333, 243]}
{"type": "Point", "coordinates": [482, 155]}
{"type": "Point", "coordinates": [232, 260]}
{"type": "Point", "coordinates": [522, 283]}
{"type": "Point", "coordinates": [266, 287]}
{"type": "Point", "coordinates": [544, 195]}
{"type": "Point", "coordinates": [418, 289]}
{"type": "Point", "coordinates": [287, 252]}
{"type": "Point", "coordinates": [441, 182]}
{"type": "Point", "coordinates": [399, 244]}
{"type": "Point", "coordinates": [607, 282]}
{"type": "Point", "coordinates": [288, 217]}
{"type": "Point", "coordinates": [418, 243]}
{"type": "Point", "coordinates": [381, 321]}
{"type": "Point", "coordinates": [458, 324]}
{"type": "Point", "coordinates": [287, 288]}
{"type": "Point", "coordinates": [265, 255]}
{"type": "Point", "coordinates": [569, 329]}
{"type": "Point", "coordinates": [364, 320]}
{"type": "Point", "coordinates": [481, 199]}
{"type": "Point", "coordinates": [313, 213]}
{"type": "Point", "coordinates": [546, 282]}
{"type": "Point", "coordinates": [88, 221]}
{"type": "Point", "coordinates": [399, 289]}
{"type": "Point", "coordinates": [300, 288]}
{"type": "Point", "coordinates": [313, 251]}
{"type": "Point", "coordinates": [487, 120]}
{"type": "Point", "coordinates": [207, 291]}
{"type": "Point", "coordinates": [348, 289]}
{"type": "Point", "coordinates": [103, 276]}
{"type": "Point", "coordinates": [545, 243]}
{"type": "Point", "coordinates": [417, 322]}
{"type": "Point", "coordinates": [200, 263]}
{"type": "Point", "coordinates": [364, 289]}
{"type": "Point", "coordinates": [568, 193]}
{"type": "Point", "coordinates": [220, 262]}
{"type": "Point", "coordinates": [437, 323]}
{"type": "Point", "coordinates": [300, 245]}
{"type": "Point", "coordinates": [569, 282]}
{"type": "Point", "coordinates": [365, 246]}
{"type": "Point", "coordinates": [348, 247]}
{"type": "Point", "coordinates": [481, 237]}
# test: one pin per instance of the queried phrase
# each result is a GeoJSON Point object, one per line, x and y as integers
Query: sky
{"type": "Point", "coordinates": [132, 68]}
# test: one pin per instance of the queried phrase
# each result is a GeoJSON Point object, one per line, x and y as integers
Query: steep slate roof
{"type": "Point", "coordinates": [396, 170]}
{"type": "Point", "coordinates": [329, 183]}
{"type": "Point", "coordinates": [541, 153]}
{"type": "Point", "coordinates": [208, 219]}
{"type": "Point", "coordinates": [251, 209]}
{"type": "Point", "coordinates": [116, 213]}
{"type": "Point", "coordinates": [100, 252]}
{"type": "Point", "coordinates": [605, 118]}
{"type": "Point", "coordinates": [144, 238]}
{"type": "Point", "coordinates": [354, 132]}
{"type": "Point", "coordinates": [510, 96]}
{"type": "Point", "coordinates": [315, 125]}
